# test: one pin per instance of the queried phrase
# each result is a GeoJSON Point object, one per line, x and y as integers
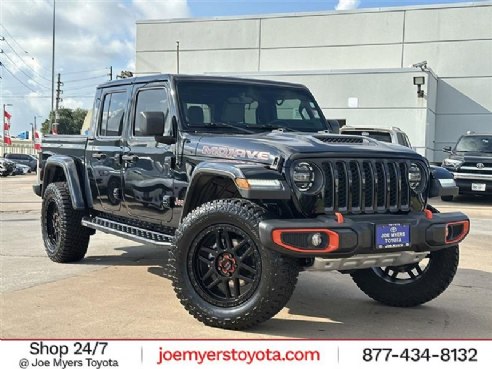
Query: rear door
{"type": "Point", "coordinates": [105, 149]}
{"type": "Point", "coordinates": [148, 182]}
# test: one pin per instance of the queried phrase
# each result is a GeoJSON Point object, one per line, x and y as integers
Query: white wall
{"type": "Point", "coordinates": [455, 39]}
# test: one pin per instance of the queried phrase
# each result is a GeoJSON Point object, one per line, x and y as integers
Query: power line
{"type": "Point", "coordinates": [44, 96]}
{"type": "Point", "coordinates": [86, 79]}
{"type": "Point", "coordinates": [83, 71]}
{"type": "Point", "coordinates": [20, 70]}
{"type": "Point", "coordinates": [76, 88]}
{"type": "Point", "coordinates": [13, 39]}
{"type": "Point", "coordinates": [13, 75]}
{"type": "Point", "coordinates": [23, 61]}
{"type": "Point", "coordinates": [19, 45]}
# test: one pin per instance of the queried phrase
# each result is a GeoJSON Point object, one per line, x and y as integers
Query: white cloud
{"type": "Point", "coordinates": [90, 36]}
{"type": "Point", "coordinates": [162, 9]}
{"type": "Point", "coordinates": [347, 4]}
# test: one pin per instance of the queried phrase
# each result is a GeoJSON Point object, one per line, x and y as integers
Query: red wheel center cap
{"type": "Point", "coordinates": [226, 264]}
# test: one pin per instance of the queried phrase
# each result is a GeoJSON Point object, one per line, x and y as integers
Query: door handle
{"type": "Point", "coordinates": [99, 155]}
{"type": "Point", "coordinates": [129, 158]}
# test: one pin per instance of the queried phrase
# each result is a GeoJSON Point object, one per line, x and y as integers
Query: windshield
{"type": "Point", "coordinates": [380, 136]}
{"type": "Point", "coordinates": [474, 144]}
{"type": "Point", "coordinates": [253, 106]}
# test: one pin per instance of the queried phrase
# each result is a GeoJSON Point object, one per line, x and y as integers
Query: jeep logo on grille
{"type": "Point", "coordinates": [480, 165]}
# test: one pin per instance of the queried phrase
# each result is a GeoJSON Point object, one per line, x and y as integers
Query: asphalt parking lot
{"type": "Point", "coordinates": [121, 289]}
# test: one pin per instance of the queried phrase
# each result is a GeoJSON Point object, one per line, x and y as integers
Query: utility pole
{"type": "Point", "coordinates": [59, 83]}
{"type": "Point", "coordinates": [57, 105]}
{"type": "Point", "coordinates": [110, 74]}
{"type": "Point", "coordinates": [52, 69]}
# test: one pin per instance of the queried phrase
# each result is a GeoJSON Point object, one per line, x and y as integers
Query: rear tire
{"type": "Point", "coordinates": [65, 239]}
{"type": "Point", "coordinates": [383, 285]}
{"type": "Point", "coordinates": [221, 273]}
{"type": "Point", "coordinates": [447, 198]}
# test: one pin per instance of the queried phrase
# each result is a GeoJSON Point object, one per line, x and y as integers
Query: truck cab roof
{"type": "Point", "coordinates": [197, 77]}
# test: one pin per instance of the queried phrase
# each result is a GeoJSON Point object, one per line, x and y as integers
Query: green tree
{"type": "Point", "coordinates": [70, 121]}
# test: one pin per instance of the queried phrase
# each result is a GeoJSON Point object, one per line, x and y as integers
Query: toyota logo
{"type": "Point", "coordinates": [393, 229]}
{"type": "Point", "coordinates": [480, 165]}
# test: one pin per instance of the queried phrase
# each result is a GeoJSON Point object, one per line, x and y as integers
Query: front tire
{"type": "Point", "coordinates": [222, 274]}
{"type": "Point", "coordinates": [447, 198]}
{"type": "Point", "coordinates": [412, 284]}
{"type": "Point", "coordinates": [65, 239]}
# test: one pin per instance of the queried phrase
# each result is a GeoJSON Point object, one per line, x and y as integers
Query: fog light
{"type": "Point", "coordinates": [306, 240]}
{"type": "Point", "coordinates": [316, 239]}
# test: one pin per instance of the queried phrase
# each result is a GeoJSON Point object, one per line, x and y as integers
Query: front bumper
{"type": "Point", "coordinates": [354, 235]}
{"type": "Point", "coordinates": [464, 182]}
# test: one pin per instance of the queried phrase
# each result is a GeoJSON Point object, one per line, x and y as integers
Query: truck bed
{"type": "Point", "coordinates": [70, 145]}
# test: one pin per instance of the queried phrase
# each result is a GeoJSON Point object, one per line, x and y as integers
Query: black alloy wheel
{"type": "Point", "coordinates": [225, 264]}
{"type": "Point", "coordinates": [407, 273]}
{"type": "Point", "coordinates": [221, 272]}
{"type": "Point", "coordinates": [411, 284]}
{"type": "Point", "coordinates": [65, 239]}
{"type": "Point", "coordinates": [53, 226]}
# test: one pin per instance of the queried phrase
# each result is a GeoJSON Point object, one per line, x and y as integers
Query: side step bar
{"type": "Point", "coordinates": [127, 231]}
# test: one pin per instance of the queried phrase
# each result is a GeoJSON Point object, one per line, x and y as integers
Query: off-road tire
{"type": "Point", "coordinates": [73, 238]}
{"type": "Point", "coordinates": [434, 280]}
{"type": "Point", "coordinates": [277, 279]}
{"type": "Point", "coordinates": [447, 198]}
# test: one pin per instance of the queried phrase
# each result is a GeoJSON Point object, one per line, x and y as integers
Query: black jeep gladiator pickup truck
{"type": "Point", "coordinates": [245, 182]}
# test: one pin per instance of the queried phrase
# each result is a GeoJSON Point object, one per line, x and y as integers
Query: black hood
{"type": "Point", "coordinates": [266, 147]}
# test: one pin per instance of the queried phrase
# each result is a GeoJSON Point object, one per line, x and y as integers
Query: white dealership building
{"type": "Point", "coordinates": [357, 63]}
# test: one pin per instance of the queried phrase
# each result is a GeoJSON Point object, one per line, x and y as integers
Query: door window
{"type": "Point", "coordinates": [113, 113]}
{"type": "Point", "coordinates": [150, 100]}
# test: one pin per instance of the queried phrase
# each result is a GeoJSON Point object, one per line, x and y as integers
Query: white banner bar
{"type": "Point", "coordinates": [241, 354]}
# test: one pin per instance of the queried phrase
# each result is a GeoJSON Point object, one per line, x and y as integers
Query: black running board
{"type": "Point", "coordinates": [127, 231]}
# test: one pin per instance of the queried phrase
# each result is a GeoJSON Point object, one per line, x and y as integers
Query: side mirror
{"type": "Point", "coordinates": [166, 140]}
{"type": "Point", "coordinates": [169, 140]}
{"type": "Point", "coordinates": [447, 149]}
{"type": "Point", "coordinates": [152, 123]}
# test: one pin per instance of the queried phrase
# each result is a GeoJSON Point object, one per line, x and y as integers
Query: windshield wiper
{"type": "Point", "coordinates": [222, 125]}
{"type": "Point", "coordinates": [272, 127]}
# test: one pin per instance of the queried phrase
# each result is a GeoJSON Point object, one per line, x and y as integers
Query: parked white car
{"type": "Point", "coordinates": [391, 135]}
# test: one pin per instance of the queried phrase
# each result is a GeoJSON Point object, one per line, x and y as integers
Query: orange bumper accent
{"type": "Point", "coordinates": [333, 239]}
{"type": "Point", "coordinates": [464, 232]}
{"type": "Point", "coordinates": [428, 214]}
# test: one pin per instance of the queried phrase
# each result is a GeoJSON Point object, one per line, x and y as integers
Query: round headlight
{"type": "Point", "coordinates": [303, 176]}
{"type": "Point", "coordinates": [416, 177]}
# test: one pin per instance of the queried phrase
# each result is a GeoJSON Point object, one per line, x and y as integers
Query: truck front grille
{"type": "Point", "coordinates": [366, 186]}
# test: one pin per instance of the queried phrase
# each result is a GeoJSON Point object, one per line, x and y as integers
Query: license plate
{"type": "Point", "coordinates": [389, 236]}
{"type": "Point", "coordinates": [478, 186]}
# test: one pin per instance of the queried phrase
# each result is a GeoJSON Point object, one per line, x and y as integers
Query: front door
{"type": "Point", "coordinates": [104, 150]}
{"type": "Point", "coordinates": [148, 182]}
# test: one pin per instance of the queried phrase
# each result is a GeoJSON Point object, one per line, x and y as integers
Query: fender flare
{"type": "Point", "coordinates": [69, 168]}
{"type": "Point", "coordinates": [235, 170]}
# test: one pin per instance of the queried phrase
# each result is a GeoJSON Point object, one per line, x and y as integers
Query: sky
{"type": "Point", "coordinates": [93, 35]}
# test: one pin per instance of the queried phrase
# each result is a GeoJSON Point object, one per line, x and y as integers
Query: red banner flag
{"type": "Point", "coordinates": [6, 128]}
{"type": "Point", "coordinates": [37, 141]}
